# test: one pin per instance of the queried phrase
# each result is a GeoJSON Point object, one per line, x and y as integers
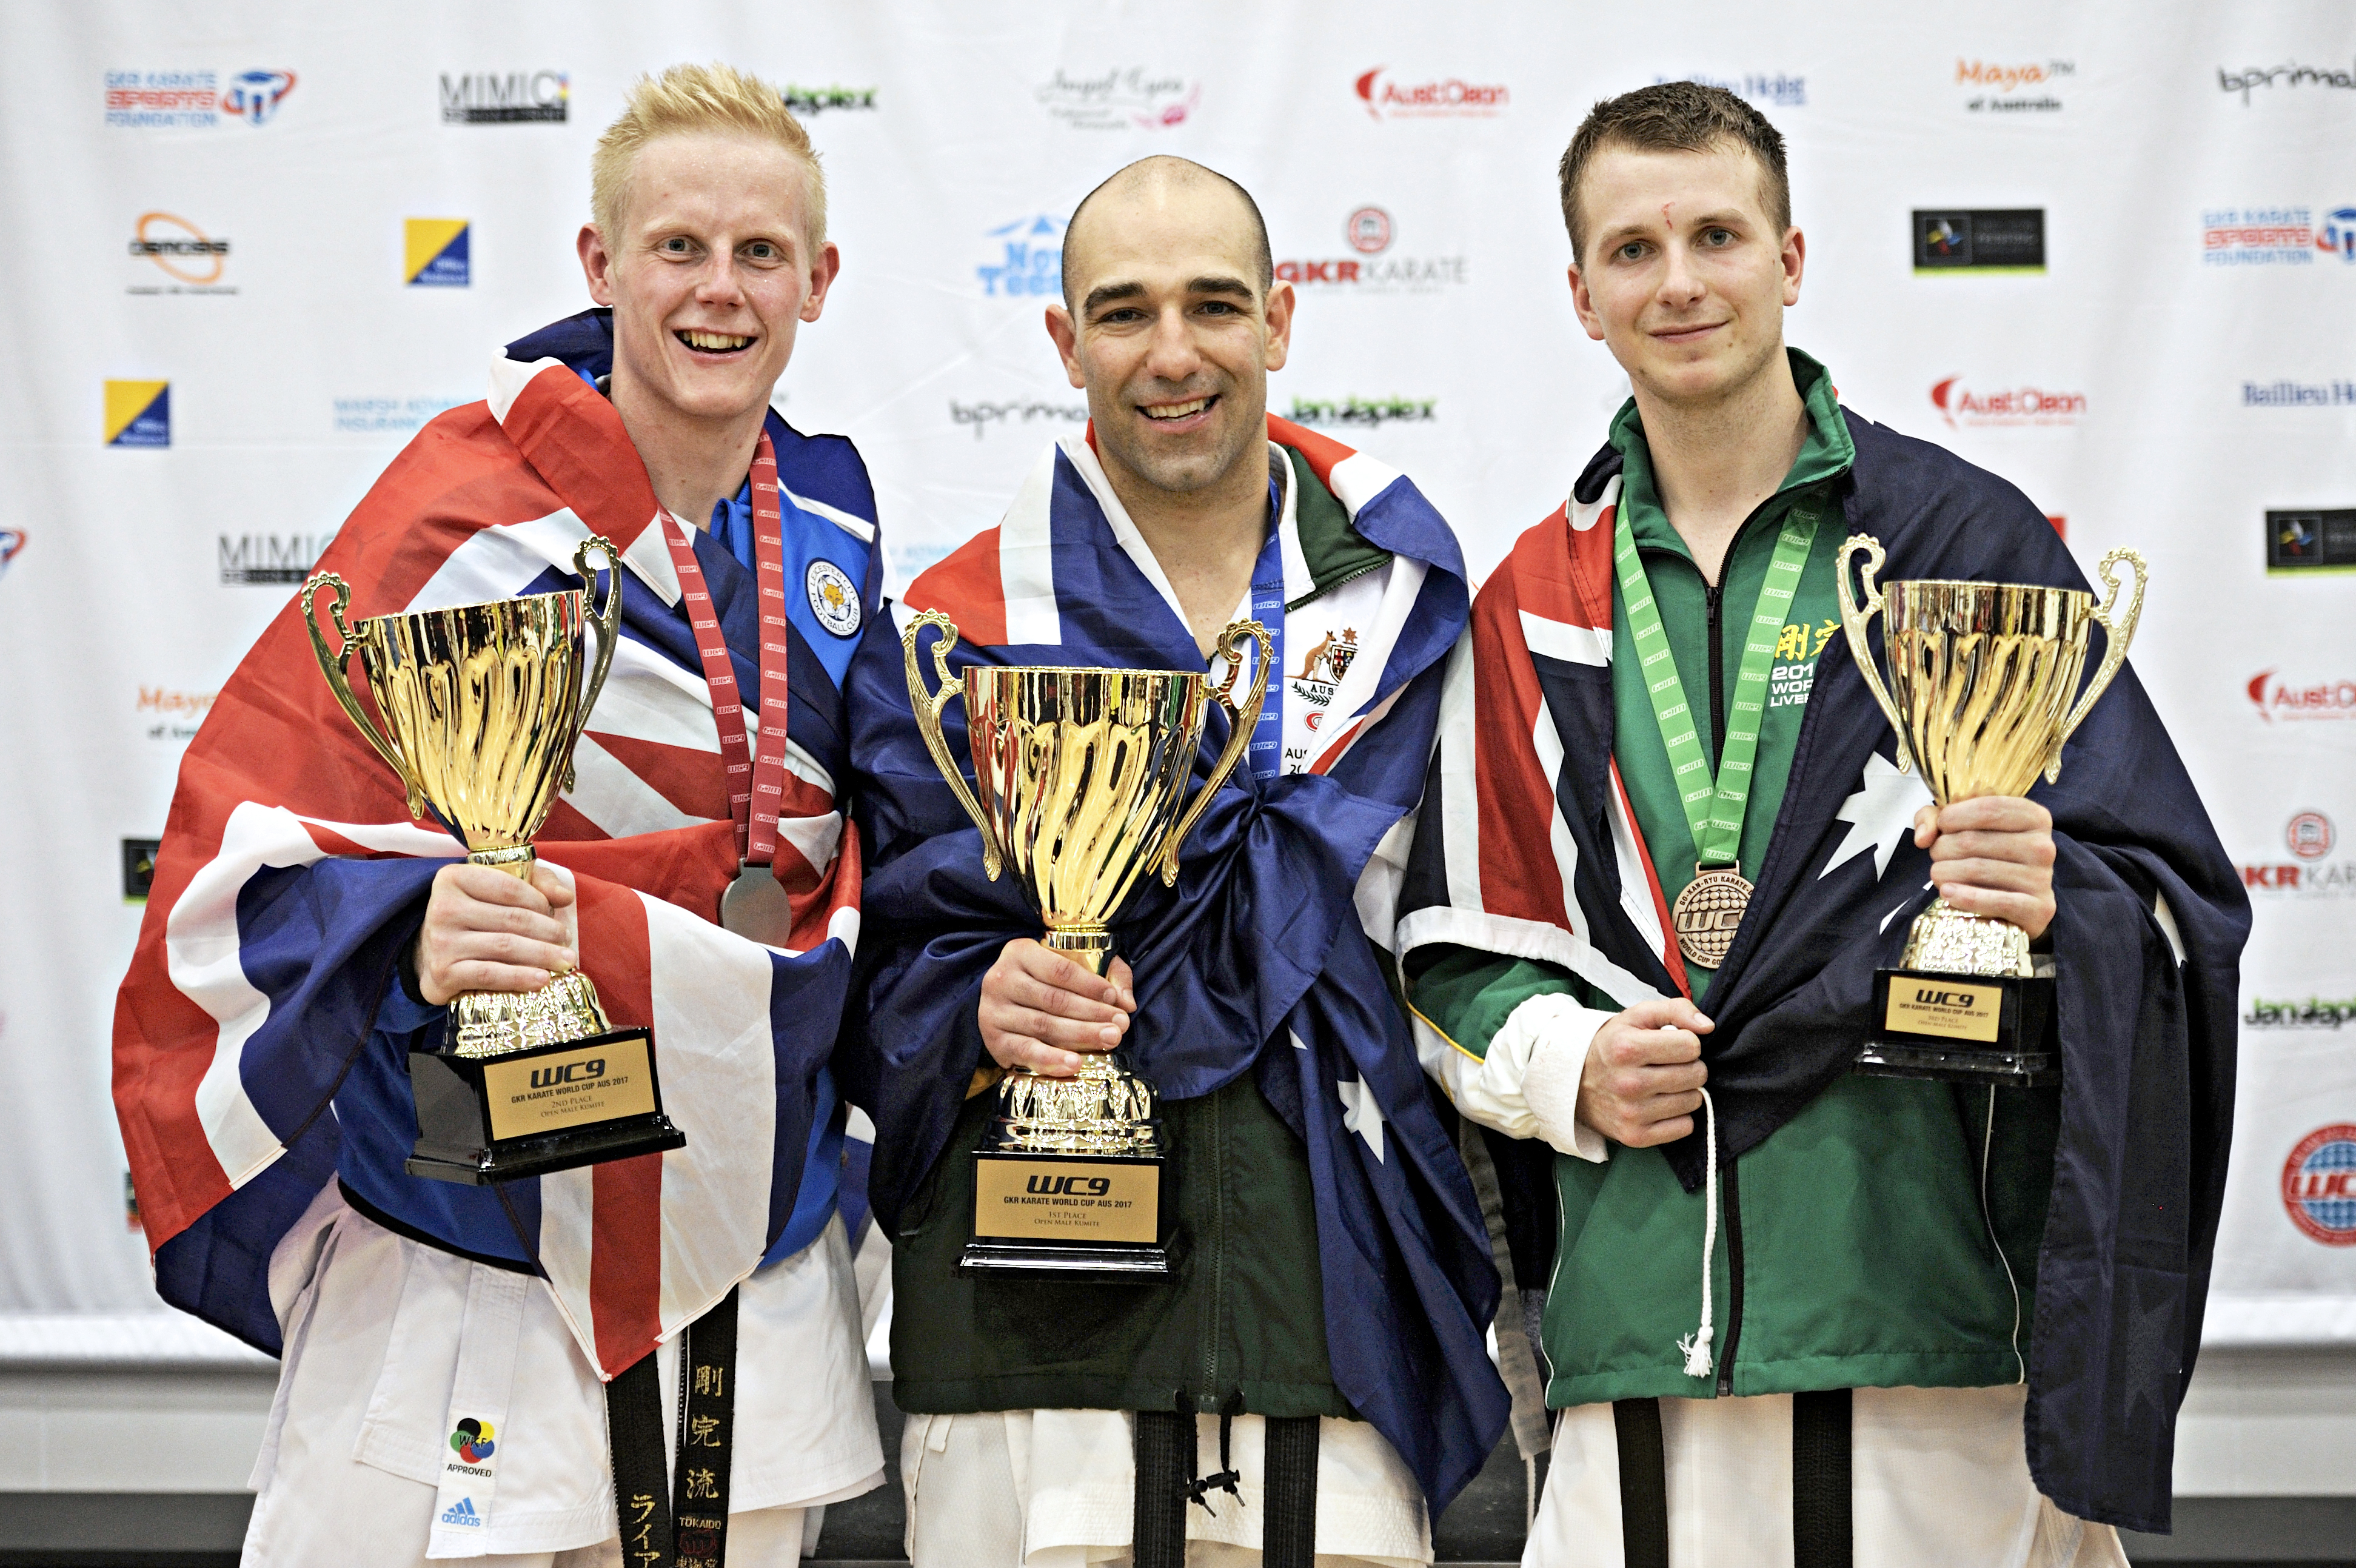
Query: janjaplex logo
{"type": "Point", "coordinates": [805, 101]}
{"type": "Point", "coordinates": [1366, 413]}
{"type": "Point", "coordinates": [2020, 405]}
{"type": "Point", "coordinates": [2310, 542]}
{"type": "Point", "coordinates": [1028, 259]}
{"type": "Point", "coordinates": [1767, 89]}
{"type": "Point", "coordinates": [138, 413]}
{"type": "Point", "coordinates": [2257, 79]}
{"type": "Point", "coordinates": [1369, 231]}
{"type": "Point", "coordinates": [1386, 97]}
{"type": "Point", "coordinates": [2300, 1013]}
{"type": "Point", "coordinates": [506, 98]}
{"type": "Point", "coordinates": [260, 559]}
{"type": "Point", "coordinates": [1118, 98]}
{"type": "Point", "coordinates": [194, 100]}
{"type": "Point", "coordinates": [2276, 236]}
{"type": "Point", "coordinates": [190, 258]}
{"type": "Point", "coordinates": [1979, 238]}
{"type": "Point", "coordinates": [2012, 87]}
{"type": "Point", "coordinates": [2291, 701]}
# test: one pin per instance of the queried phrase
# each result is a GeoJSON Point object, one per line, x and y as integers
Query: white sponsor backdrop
{"type": "Point", "coordinates": [2184, 363]}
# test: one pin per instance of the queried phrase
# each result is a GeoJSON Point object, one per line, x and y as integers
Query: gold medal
{"type": "Point", "coordinates": [1707, 913]}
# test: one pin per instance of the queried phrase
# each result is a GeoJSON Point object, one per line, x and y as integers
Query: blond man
{"type": "Point", "coordinates": [503, 1371]}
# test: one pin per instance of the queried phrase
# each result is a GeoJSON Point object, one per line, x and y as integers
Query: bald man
{"type": "Point", "coordinates": [1309, 1376]}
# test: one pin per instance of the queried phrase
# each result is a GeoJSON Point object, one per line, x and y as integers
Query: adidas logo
{"type": "Point", "coordinates": [462, 1512]}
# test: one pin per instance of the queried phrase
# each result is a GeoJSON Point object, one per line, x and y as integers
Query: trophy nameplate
{"type": "Point", "coordinates": [1981, 681]}
{"type": "Point", "coordinates": [1079, 780]}
{"type": "Point", "coordinates": [483, 705]}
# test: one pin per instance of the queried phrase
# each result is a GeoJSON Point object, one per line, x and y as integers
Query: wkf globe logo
{"type": "Point", "coordinates": [472, 1441]}
{"type": "Point", "coordinates": [2319, 1185]}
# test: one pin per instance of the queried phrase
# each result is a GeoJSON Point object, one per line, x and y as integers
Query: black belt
{"type": "Point", "coordinates": [1821, 1512]}
{"type": "Point", "coordinates": [1168, 1484]}
{"type": "Point", "coordinates": [678, 1519]}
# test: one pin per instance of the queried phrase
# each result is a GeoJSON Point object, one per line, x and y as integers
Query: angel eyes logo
{"type": "Point", "coordinates": [2319, 1185]}
{"type": "Point", "coordinates": [472, 1441]}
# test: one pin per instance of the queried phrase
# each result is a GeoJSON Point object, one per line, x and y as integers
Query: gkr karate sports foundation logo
{"type": "Point", "coordinates": [194, 100]}
{"type": "Point", "coordinates": [2319, 1185]}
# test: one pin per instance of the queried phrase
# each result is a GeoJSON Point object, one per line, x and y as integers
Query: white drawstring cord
{"type": "Point", "coordinates": [1696, 1345]}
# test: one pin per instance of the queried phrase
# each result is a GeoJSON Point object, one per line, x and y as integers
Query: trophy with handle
{"type": "Point", "coordinates": [1078, 779]}
{"type": "Point", "coordinates": [1981, 680]}
{"type": "Point", "coordinates": [483, 705]}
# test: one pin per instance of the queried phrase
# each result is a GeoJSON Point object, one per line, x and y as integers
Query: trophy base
{"type": "Point", "coordinates": [482, 1119]}
{"type": "Point", "coordinates": [1074, 1216]}
{"type": "Point", "coordinates": [1961, 1028]}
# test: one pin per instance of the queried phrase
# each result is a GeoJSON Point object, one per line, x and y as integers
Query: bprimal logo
{"type": "Point", "coordinates": [1962, 406]}
{"type": "Point", "coordinates": [1388, 98]}
{"type": "Point", "coordinates": [2319, 1185]}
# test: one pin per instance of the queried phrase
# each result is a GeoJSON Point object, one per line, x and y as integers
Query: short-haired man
{"type": "Point", "coordinates": [437, 1400]}
{"type": "Point", "coordinates": [1794, 1313]}
{"type": "Point", "coordinates": [1329, 1283]}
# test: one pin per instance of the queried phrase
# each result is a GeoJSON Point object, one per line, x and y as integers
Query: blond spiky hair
{"type": "Point", "coordinates": [701, 98]}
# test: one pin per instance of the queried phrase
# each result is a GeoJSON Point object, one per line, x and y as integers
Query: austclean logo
{"type": "Point", "coordinates": [2012, 87]}
{"type": "Point", "coordinates": [2027, 405]}
{"type": "Point", "coordinates": [506, 98]}
{"type": "Point", "coordinates": [2291, 702]}
{"type": "Point", "coordinates": [192, 259]}
{"type": "Point", "coordinates": [1387, 97]}
{"type": "Point", "coordinates": [194, 100]}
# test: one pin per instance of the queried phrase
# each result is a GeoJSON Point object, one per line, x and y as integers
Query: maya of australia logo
{"type": "Point", "coordinates": [191, 260]}
{"type": "Point", "coordinates": [1119, 99]}
{"type": "Point", "coordinates": [1026, 260]}
{"type": "Point", "coordinates": [1979, 238]}
{"type": "Point", "coordinates": [2012, 87]}
{"type": "Point", "coordinates": [1966, 405]}
{"type": "Point", "coordinates": [506, 98]}
{"type": "Point", "coordinates": [1394, 95]}
{"type": "Point", "coordinates": [194, 100]}
{"type": "Point", "coordinates": [2311, 541]}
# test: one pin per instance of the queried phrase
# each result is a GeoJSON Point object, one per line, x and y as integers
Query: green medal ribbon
{"type": "Point", "coordinates": [1714, 808]}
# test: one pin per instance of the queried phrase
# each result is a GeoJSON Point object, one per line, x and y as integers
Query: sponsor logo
{"type": "Point", "coordinates": [2276, 236]}
{"type": "Point", "coordinates": [2276, 699]}
{"type": "Point", "coordinates": [462, 1512]}
{"type": "Point", "coordinates": [2319, 1185]}
{"type": "Point", "coordinates": [1996, 87]}
{"type": "Point", "coordinates": [139, 868]}
{"type": "Point", "coordinates": [194, 100]}
{"type": "Point", "coordinates": [1363, 411]}
{"type": "Point", "coordinates": [2251, 80]}
{"type": "Point", "coordinates": [1117, 99]}
{"type": "Point", "coordinates": [178, 713]}
{"type": "Point", "coordinates": [833, 598]}
{"type": "Point", "coordinates": [472, 1441]}
{"type": "Point", "coordinates": [517, 97]}
{"type": "Point", "coordinates": [1769, 90]}
{"type": "Point", "coordinates": [2311, 541]}
{"type": "Point", "coordinates": [266, 558]}
{"type": "Point", "coordinates": [808, 101]}
{"type": "Point", "coordinates": [1077, 1186]}
{"type": "Point", "coordinates": [383, 415]}
{"type": "Point", "coordinates": [2301, 1013]}
{"type": "Point", "coordinates": [983, 415]}
{"type": "Point", "coordinates": [2308, 835]}
{"type": "Point", "coordinates": [1027, 259]}
{"type": "Point", "coordinates": [1386, 97]}
{"type": "Point", "coordinates": [2325, 879]}
{"type": "Point", "coordinates": [1370, 230]}
{"type": "Point", "coordinates": [138, 413]}
{"type": "Point", "coordinates": [192, 258]}
{"type": "Point", "coordinates": [12, 542]}
{"type": "Point", "coordinates": [588, 1072]}
{"type": "Point", "coordinates": [434, 252]}
{"type": "Point", "coordinates": [2025, 405]}
{"type": "Point", "coordinates": [1980, 239]}
{"type": "Point", "coordinates": [2300, 394]}
{"type": "Point", "coordinates": [1793, 674]}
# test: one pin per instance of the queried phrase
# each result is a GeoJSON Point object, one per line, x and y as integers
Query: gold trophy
{"type": "Point", "coordinates": [1981, 680]}
{"type": "Point", "coordinates": [484, 705]}
{"type": "Point", "coordinates": [1078, 779]}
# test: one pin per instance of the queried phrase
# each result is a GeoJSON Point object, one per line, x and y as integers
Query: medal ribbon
{"type": "Point", "coordinates": [755, 782]}
{"type": "Point", "coordinates": [1266, 753]}
{"type": "Point", "coordinates": [1714, 808]}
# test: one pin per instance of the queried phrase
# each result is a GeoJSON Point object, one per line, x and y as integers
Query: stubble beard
{"type": "Point", "coordinates": [1192, 472]}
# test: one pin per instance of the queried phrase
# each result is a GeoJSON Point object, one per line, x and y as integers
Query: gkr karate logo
{"type": "Point", "coordinates": [2319, 1185]}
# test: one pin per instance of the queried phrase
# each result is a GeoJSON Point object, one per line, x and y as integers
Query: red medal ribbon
{"type": "Point", "coordinates": [756, 783]}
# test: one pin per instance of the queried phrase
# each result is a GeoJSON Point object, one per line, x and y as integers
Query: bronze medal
{"type": "Point", "coordinates": [1707, 914]}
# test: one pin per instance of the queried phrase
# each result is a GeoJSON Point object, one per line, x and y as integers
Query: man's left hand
{"type": "Point", "coordinates": [1993, 855]}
